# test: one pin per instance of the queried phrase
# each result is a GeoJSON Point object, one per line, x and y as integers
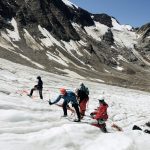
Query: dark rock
{"type": "Point", "coordinates": [83, 18]}
{"type": "Point", "coordinates": [103, 19]}
{"type": "Point", "coordinates": [132, 58]}
{"type": "Point", "coordinates": [143, 28]}
{"type": "Point", "coordinates": [108, 37]}
{"type": "Point", "coordinates": [8, 8]}
{"type": "Point", "coordinates": [143, 45]}
{"type": "Point", "coordinates": [4, 24]}
{"type": "Point", "coordinates": [130, 71]}
{"type": "Point", "coordinates": [52, 18]}
{"type": "Point", "coordinates": [135, 127]}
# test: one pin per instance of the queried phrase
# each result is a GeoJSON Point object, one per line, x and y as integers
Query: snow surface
{"type": "Point", "coordinates": [93, 79]}
{"type": "Point", "coordinates": [14, 35]}
{"type": "Point", "coordinates": [68, 3]}
{"type": "Point", "coordinates": [31, 42]}
{"type": "Point", "coordinates": [6, 42]}
{"type": "Point", "coordinates": [35, 63]}
{"type": "Point", "coordinates": [72, 49]}
{"type": "Point", "coordinates": [123, 35]}
{"type": "Point", "coordinates": [49, 40]}
{"type": "Point", "coordinates": [120, 27]}
{"type": "Point", "coordinates": [96, 31]}
{"type": "Point", "coordinates": [73, 74]}
{"type": "Point", "coordinates": [128, 27]}
{"type": "Point", "coordinates": [106, 71]}
{"type": "Point", "coordinates": [119, 68]}
{"type": "Point", "coordinates": [73, 46]}
{"type": "Point", "coordinates": [58, 58]}
{"type": "Point", "coordinates": [124, 39]}
{"type": "Point", "coordinates": [31, 124]}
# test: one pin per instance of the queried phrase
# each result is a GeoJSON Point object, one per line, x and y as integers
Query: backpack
{"type": "Point", "coordinates": [85, 89]}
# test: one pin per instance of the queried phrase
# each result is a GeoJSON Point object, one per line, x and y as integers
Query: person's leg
{"type": "Point", "coordinates": [40, 93]}
{"type": "Point", "coordinates": [83, 107]}
{"type": "Point", "coordinates": [102, 123]}
{"type": "Point", "coordinates": [77, 111]}
{"type": "Point", "coordinates": [82, 111]}
{"type": "Point", "coordinates": [31, 92]}
{"type": "Point", "coordinates": [96, 125]}
{"type": "Point", "coordinates": [65, 108]}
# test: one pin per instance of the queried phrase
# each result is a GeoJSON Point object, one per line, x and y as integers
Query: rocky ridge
{"type": "Point", "coordinates": [60, 37]}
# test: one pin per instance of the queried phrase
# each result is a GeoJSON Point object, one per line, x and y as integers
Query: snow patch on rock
{"type": "Point", "coordinates": [68, 3]}
{"type": "Point", "coordinates": [14, 35]}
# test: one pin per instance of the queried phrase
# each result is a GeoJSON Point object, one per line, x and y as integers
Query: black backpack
{"type": "Point", "coordinates": [85, 89]}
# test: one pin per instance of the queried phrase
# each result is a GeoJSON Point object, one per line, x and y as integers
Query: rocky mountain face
{"type": "Point", "coordinates": [143, 45]}
{"type": "Point", "coordinates": [60, 37]}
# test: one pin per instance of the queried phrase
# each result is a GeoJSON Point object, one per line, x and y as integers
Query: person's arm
{"type": "Point", "coordinates": [57, 100]}
{"type": "Point", "coordinates": [92, 114]}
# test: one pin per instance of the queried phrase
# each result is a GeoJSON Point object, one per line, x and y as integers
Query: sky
{"type": "Point", "coordinates": [135, 13]}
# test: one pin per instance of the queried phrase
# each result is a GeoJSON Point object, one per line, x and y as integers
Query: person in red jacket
{"type": "Point", "coordinates": [101, 115]}
{"type": "Point", "coordinates": [83, 99]}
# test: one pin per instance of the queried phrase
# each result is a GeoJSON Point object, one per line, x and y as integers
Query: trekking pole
{"type": "Point", "coordinates": [113, 125]}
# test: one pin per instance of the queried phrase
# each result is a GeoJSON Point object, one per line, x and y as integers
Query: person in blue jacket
{"type": "Point", "coordinates": [68, 97]}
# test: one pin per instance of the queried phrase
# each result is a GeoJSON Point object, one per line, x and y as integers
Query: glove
{"type": "Point", "coordinates": [50, 103]}
{"type": "Point", "coordinates": [91, 114]}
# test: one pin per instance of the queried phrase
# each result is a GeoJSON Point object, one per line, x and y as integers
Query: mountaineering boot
{"type": "Point", "coordinates": [64, 116]}
{"type": "Point", "coordinates": [77, 120]}
{"type": "Point", "coordinates": [29, 95]}
{"type": "Point", "coordinates": [103, 129]}
{"type": "Point", "coordinates": [81, 116]}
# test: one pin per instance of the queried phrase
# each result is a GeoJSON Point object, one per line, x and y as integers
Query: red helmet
{"type": "Point", "coordinates": [63, 91]}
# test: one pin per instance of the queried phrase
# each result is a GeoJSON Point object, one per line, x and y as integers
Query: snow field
{"type": "Point", "coordinates": [27, 123]}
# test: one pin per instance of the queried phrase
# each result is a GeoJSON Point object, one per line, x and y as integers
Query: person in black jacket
{"type": "Point", "coordinates": [83, 99]}
{"type": "Point", "coordinates": [38, 87]}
